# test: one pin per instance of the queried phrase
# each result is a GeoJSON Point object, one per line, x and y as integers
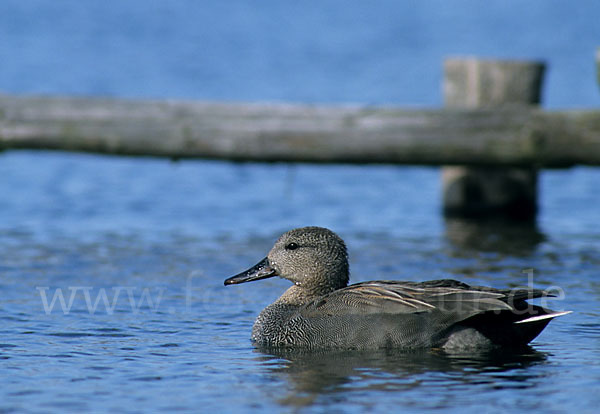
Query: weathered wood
{"type": "Point", "coordinates": [479, 83]}
{"type": "Point", "coordinates": [487, 191]}
{"type": "Point", "coordinates": [302, 133]}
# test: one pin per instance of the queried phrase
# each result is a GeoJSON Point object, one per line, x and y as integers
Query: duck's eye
{"type": "Point", "coordinates": [291, 246]}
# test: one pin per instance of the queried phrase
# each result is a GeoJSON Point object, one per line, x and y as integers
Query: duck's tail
{"type": "Point", "coordinates": [538, 318]}
{"type": "Point", "coordinates": [525, 330]}
{"type": "Point", "coordinates": [509, 328]}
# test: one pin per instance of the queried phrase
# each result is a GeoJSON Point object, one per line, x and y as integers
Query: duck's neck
{"type": "Point", "coordinates": [298, 295]}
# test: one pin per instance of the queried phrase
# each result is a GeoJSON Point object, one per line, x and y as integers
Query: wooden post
{"type": "Point", "coordinates": [488, 192]}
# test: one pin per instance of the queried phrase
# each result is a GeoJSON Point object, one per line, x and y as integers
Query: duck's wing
{"type": "Point", "coordinates": [412, 315]}
{"type": "Point", "coordinates": [392, 297]}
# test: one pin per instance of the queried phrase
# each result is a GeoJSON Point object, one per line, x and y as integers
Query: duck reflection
{"type": "Point", "coordinates": [312, 374]}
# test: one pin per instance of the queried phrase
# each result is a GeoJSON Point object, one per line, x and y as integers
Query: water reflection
{"type": "Point", "coordinates": [312, 374]}
{"type": "Point", "coordinates": [519, 238]}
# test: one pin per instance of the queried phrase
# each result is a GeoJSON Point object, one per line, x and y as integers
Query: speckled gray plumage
{"type": "Point", "coordinates": [321, 311]}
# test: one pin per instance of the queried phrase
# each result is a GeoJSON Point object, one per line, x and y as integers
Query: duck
{"type": "Point", "coordinates": [321, 311]}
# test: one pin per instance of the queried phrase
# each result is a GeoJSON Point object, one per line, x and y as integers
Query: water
{"type": "Point", "coordinates": [138, 248]}
{"type": "Point", "coordinates": [319, 51]}
{"type": "Point", "coordinates": [158, 331]}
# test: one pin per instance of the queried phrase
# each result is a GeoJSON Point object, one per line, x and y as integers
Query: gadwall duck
{"type": "Point", "coordinates": [321, 311]}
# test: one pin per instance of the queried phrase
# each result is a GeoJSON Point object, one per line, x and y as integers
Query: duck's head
{"type": "Point", "coordinates": [313, 258]}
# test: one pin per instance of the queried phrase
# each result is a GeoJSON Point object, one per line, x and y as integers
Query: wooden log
{"type": "Point", "coordinates": [490, 191]}
{"type": "Point", "coordinates": [302, 133]}
{"type": "Point", "coordinates": [475, 83]}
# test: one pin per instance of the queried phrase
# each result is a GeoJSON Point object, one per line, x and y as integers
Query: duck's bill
{"type": "Point", "coordinates": [261, 270]}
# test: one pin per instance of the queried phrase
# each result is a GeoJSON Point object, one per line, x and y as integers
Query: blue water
{"type": "Point", "coordinates": [386, 51]}
{"type": "Point", "coordinates": [142, 246]}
